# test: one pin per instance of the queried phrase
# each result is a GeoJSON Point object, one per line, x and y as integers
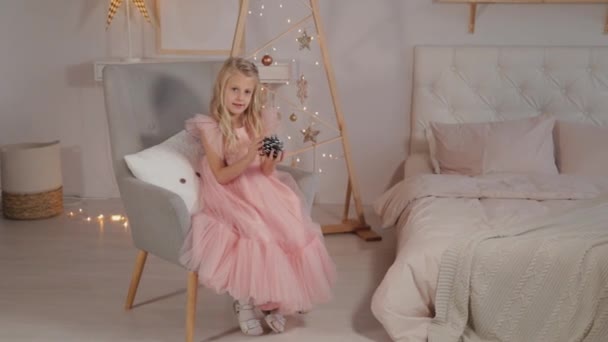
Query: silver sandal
{"type": "Point", "coordinates": [252, 326]}
{"type": "Point", "coordinates": [276, 322]}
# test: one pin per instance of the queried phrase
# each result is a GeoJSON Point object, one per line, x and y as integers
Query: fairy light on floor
{"type": "Point", "coordinates": [100, 219]}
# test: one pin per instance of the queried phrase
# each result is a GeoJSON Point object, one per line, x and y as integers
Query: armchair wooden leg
{"type": "Point", "coordinates": [139, 268]}
{"type": "Point", "coordinates": [191, 305]}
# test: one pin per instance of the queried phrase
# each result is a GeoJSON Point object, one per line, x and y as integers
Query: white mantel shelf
{"type": "Point", "coordinates": [277, 73]}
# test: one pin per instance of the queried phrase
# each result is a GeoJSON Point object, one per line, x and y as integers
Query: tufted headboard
{"type": "Point", "coordinates": [474, 84]}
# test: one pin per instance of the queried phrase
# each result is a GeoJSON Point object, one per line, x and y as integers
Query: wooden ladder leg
{"type": "Point", "coordinates": [239, 32]}
{"type": "Point", "coordinates": [359, 226]}
{"type": "Point", "coordinates": [137, 271]}
{"type": "Point", "coordinates": [191, 305]}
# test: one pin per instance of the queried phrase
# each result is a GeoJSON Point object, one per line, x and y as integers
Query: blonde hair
{"type": "Point", "coordinates": [251, 117]}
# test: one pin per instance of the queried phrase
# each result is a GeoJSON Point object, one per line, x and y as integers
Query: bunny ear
{"type": "Point", "coordinates": [141, 5]}
{"type": "Point", "coordinates": [112, 8]}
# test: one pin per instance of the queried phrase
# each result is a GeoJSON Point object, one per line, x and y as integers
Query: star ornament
{"type": "Point", "coordinates": [310, 134]}
{"type": "Point", "coordinates": [304, 40]}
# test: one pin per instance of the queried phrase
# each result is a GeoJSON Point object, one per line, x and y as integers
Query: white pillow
{"type": "Point", "coordinates": [170, 165]}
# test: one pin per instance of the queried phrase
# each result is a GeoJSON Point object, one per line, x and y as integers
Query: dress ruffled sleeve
{"type": "Point", "coordinates": [209, 128]}
{"type": "Point", "coordinates": [270, 121]}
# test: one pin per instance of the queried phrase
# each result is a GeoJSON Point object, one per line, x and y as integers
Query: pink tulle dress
{"type": "Point", "coordinates": [252, 237]}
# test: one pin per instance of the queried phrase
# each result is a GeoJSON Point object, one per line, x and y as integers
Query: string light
{"type": "Point", "coordinates": [314, 114]}
{"type": "Point", "coordinates": [99, 218]}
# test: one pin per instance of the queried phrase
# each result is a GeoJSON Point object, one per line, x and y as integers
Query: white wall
{"type": "Point", "coordinates": [47, 90]}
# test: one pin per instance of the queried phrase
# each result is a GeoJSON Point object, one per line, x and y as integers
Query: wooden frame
{"type": "Point", "coordinates": [473, 7]}
{"type": "Point", "coordinates": [358, 225]}
{"type": "Point", "coordinates": [173, 40]}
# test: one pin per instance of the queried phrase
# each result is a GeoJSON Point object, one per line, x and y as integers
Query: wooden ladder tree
{"type": "Point", "coordinates": [357, 225]}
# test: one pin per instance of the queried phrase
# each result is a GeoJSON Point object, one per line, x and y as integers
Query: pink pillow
{"type": "Point", "coordinates": [515, 146]}
{"type": "Point", "coordinates": [581, 149]}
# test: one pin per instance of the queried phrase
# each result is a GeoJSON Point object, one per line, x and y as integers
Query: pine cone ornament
{"type": "Point", "coordinates": [271, 146]}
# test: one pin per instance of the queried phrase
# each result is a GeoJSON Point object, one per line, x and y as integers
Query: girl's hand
{"type": "Point", "coordinates": [254, 149]}
{"type": "Point", "coordinates": [269, 163]}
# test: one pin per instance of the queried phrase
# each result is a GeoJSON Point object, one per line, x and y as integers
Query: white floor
{"type": "Point", "coordinates": [65, 279]}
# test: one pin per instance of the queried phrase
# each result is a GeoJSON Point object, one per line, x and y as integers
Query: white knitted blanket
{"type": "Point", "coordinates": [544, 280]}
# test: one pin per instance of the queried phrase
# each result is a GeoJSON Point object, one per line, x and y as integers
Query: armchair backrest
{"type": "Point", "coordinates": [146, 103]}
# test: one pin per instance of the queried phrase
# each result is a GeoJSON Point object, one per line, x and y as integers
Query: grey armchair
{"type": "Point", "coordinates": [147, 103]}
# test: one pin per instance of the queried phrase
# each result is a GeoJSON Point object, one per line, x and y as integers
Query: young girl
{"type": "Point", "coordinates": [252, 237]}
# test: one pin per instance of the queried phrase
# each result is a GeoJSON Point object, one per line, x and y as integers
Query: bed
{"type": "Point", "coordinates": [502, 215]}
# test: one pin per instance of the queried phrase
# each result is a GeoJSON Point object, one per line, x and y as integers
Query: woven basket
{"type": "Point", "coordinates": [32, 206]}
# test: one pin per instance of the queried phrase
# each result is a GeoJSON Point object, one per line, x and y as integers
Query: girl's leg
{"type": "Point", "coordinates": [269, 307]}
